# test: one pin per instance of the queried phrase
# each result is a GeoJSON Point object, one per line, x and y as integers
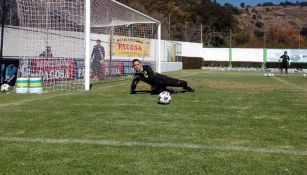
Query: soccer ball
{"type": "Point", "coordinates": [304, 75]}
{"type": "Point", "coordinates": [164, 97]}
{"type": "Point", "coordinates": [5, 88]}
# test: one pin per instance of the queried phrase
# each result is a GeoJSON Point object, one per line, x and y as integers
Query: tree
{"type": "Point", "coordinates": [280, 37]}
{"type": "Point", "coordinates": [304, 31]}
{"type": "Point", "coordinates": [303, 3]}
{"type": "Point", "coordinates": [258, 34]}
{"type": "Point", "coordinates": [208, 31]}
{"type": "Point", "coordinates": [242, 38]}
{"type": "Point", "coordinates": [259, 24]}
{"type": "Point", "coordinates": [288, 3]}
{"type": "Point", "coordinates": [242, 5]}
{"type": "Point", "coordinates": [267, 4]}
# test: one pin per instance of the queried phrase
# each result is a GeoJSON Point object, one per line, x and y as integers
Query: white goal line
{"type": "Point", "coordinates": [154, 145]}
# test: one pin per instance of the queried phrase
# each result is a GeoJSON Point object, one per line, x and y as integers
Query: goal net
{"type": "Point", "coordinates": [61, 40]}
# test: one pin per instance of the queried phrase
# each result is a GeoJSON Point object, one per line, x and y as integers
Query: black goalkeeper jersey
{"type": "Point", "coordinates": [147, 75]}
{"type": "Point", "coordinates": [158, 82]}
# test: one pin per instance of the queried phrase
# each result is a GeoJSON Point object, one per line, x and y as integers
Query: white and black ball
{"type": "Point", "coordinates": [5, 88]}
{"type": "Point", "coordinates": [164, 97]}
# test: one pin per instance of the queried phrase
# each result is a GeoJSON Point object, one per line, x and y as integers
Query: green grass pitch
{"type": "Point", "coordinates": [234, 123]}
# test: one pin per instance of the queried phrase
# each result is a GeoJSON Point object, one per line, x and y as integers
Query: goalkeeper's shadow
{"type": "Point", "coordinates": [156, 93]}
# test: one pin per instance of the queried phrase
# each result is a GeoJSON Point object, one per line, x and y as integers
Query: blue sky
{"type": "Point", "coordinates": [253, 2]}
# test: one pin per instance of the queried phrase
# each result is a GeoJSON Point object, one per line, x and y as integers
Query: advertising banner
{"type": "Point", "coordinates": [131, 46]}
{"type": "Point", "coordinates": [113, 69]}
{"type": "Point", "coordinates": [8, 71]}
{"type": "Point", "coordinates": [62, 69]}
{"type": "Point", "coordinates": [79, 69]}
{"type": "Point", "coordinates": [53, 69]}
{"type": "Point", "coordinates": [296, 55]}
{"type": "Point", "coordinates": [128, 68]}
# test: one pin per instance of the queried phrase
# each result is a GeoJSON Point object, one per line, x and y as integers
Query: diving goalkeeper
{"type": "Point", "coordinates": [158, 82]}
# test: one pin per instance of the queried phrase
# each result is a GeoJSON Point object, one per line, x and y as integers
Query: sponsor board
{"type": "Point", "coordinates": [296, 55]}
{"type": "Point", "coordinates": [8, 71]}
{"type": "Point", "coordinates": [131, 46]}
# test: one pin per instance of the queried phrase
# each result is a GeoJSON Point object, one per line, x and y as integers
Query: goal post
{"type": "Point", "coordinates": [66, 32]}
{"type": "Point", "coordinates": [87, 44]}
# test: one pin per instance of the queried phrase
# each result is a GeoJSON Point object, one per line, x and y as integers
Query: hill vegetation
{"type": "Point", "coordinates": [273, 26]}
{"type": "Point", "coordinates": [185, 19]}
{"type": "Point", "coordinates": [270, 25]}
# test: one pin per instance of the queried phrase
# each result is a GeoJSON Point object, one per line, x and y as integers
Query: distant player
{"type": "Point", "coordinates": [284, 63]}
{"type": "Point", "coordinates": [97, 59]}
{"type": "Point", "coordinates": [46, 53]}
{"type": "Point", "coordinates": [158, 82]}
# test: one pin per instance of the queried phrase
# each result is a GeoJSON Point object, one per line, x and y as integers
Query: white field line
{"type": "Point", "coordinates": [280, 79]}
{"type": "Point", "coordinates": [154, 145]}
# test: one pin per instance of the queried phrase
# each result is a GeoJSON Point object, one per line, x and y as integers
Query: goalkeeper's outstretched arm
{"type": "Point", "coordinates": [134, 83]}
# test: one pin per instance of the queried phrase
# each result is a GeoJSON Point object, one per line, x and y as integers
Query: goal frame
{"type": "Point", "coordinates": [88, 33]}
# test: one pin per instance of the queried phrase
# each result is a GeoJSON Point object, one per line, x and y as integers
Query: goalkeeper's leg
{"type": "Point", "coordinates": [156, 89]}
{"type": "Point", "coordinates": [173, 82]}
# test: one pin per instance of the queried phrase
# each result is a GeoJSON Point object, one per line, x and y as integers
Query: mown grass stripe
{"type": "Point", "coordinates": [156, 145]}
{"type": "Point", "coordinates": [35, 98]}
{"type": "Point", "coordinates": [295, 86]}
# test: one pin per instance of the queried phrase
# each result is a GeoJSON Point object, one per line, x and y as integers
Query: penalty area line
{"type": "Point", "coordinates": [154, 145]}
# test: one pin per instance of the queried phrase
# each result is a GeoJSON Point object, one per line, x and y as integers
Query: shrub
{"type": "Point", "coordinates": [242, 38]}
{"type": "Point", "coordinates": [259, 24]}
{"type": "Point", "coordinates": [267, 4]}
{"type": "Point", "coordinates": [254, 10]}
{"type": "Point", "coordinates": [304, 31]}
{"type": "Point", "coordinates": [258, 33]}
{"type": "Point", "coordinates": [192, 62]}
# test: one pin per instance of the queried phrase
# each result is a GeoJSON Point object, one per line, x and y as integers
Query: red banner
{"type": "Point", "coordinates": [53, 69]}
{"type": "Point", "coordinates": [114, 69]}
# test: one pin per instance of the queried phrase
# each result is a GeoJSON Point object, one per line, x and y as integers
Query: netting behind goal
{"type": "Point", "coordinates": [125, 34]}
{"type": "Point", "coordinates": [52, 41]}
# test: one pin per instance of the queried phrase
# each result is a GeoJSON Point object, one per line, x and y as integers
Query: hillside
{"type": "Point", "coordinates": [182, 22]}
{"type": "Point", "coordinates": [272, 26]}
{"type": "Point", "coordinates": [276, 16]}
